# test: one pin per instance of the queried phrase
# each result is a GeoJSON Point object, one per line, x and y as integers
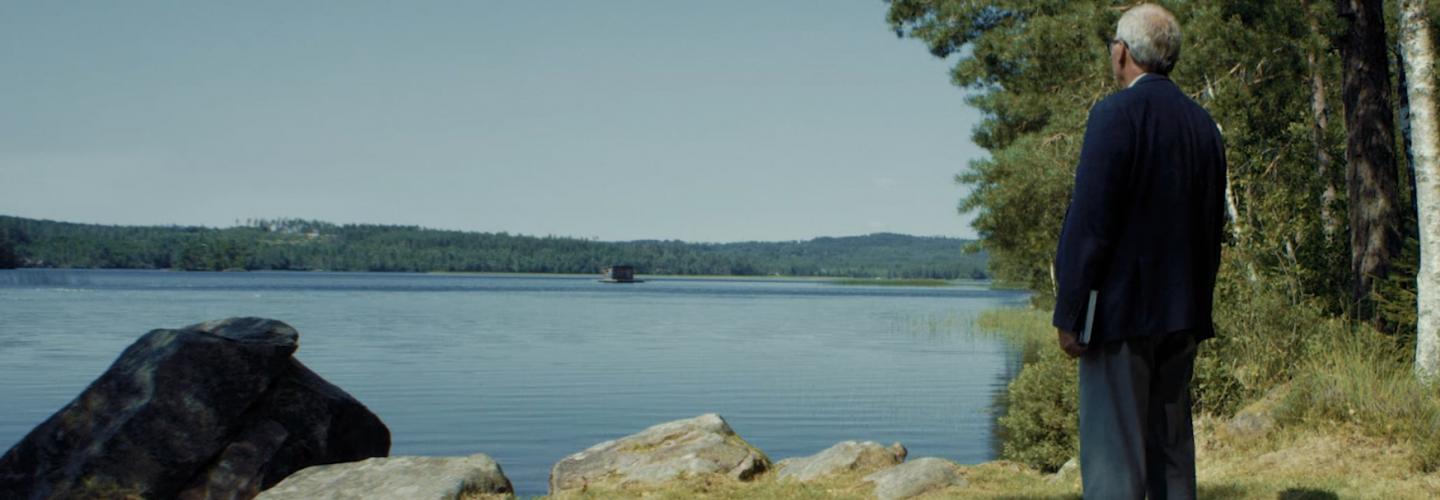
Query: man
{"type": "Point", "coordinates": [1143, 231]}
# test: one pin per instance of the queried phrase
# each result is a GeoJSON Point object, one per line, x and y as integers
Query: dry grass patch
{"type": "Point", "coordinates": [1334, 461]}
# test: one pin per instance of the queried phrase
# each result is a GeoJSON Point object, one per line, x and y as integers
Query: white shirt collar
{"type": "Point", "coordinates": [1136, 80]}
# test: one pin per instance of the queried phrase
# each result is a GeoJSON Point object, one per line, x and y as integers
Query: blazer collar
{"type": "Point", "coordinates": [1150, 78]}
{"type": "Point", "coordinates": [1136, 80]}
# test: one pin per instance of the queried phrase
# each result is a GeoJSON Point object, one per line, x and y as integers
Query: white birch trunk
{"type": "Point", "coordinates": [1420, 82]}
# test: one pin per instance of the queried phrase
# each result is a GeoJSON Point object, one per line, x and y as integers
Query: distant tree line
{"type": "Point", "coordinates": [293, 244]}
{"type": "Point", "coordinates": [8, 257]}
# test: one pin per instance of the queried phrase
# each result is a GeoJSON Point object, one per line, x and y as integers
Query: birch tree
{"type": "Point", "coordinates": [1419, 80]}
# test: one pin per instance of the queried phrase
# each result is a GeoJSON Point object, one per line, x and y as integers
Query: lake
{"type": "Point", "coordinates": [529, 369]}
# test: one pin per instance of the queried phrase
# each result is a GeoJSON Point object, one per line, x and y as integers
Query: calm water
{"type": "Point", "coordinates": [531, 369]}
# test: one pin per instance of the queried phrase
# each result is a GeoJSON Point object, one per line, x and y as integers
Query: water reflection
{"type": "Point", "coordinates": [531, 369]}
{"type": "Point", "coordinates": [48, 278]}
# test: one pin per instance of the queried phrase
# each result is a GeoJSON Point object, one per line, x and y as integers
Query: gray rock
{"type": "Point", "coordinates": [845, 456]}
{"type": "Point", "coordinates": [411, 478]}
{"type": "Point", "coordinates": [1256, 419]}
{"type": "Point", "coordinates": [915, 477]}
{"type": "Point", "coordinates": [1067, 472]}
{"type": "Point", "coordinates": [699, 445]}
{"type": "Point", "coordinates": [1250, 424]}
{"type": "Point", "coordinates": [214, 410]}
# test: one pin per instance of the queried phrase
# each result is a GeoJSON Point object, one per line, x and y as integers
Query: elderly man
{"type": "Point", "coordinates": [1143, 234]}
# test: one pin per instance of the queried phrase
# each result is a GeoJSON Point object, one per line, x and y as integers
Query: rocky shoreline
{"type": "Point", "coordinates": [222, 410]}
{"type": "Point", "coordinates": [652, 459]}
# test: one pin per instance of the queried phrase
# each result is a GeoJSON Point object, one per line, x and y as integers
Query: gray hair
{"type": "Point", "coordinates": [1152, 35]}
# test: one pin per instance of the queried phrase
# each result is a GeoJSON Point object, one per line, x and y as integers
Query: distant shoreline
{"type": "Point", "coordinates": [293, 244]}
{"type": "Point", "coordinates": [832, 280]}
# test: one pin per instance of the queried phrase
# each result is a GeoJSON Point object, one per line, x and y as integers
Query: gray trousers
{"type": "Point", "coordinates": [1135, 429]}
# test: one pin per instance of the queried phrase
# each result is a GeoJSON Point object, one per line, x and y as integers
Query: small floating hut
{"type": "Point", "coordinates": [620, 274]}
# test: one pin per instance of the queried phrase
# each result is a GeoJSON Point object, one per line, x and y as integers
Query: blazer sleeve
{"type": "Point", "coordinates": [1095, 214]}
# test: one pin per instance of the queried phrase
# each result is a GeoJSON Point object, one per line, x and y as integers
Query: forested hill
{"type": "Point", "coordinates": [310, 245]}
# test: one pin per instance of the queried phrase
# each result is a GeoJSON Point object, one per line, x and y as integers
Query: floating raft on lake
{"type": "Point", "coordinates": [620, 274]}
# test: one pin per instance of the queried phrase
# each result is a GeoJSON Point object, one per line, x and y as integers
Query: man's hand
{"type": "Point", "coordinates": [1070, 343]}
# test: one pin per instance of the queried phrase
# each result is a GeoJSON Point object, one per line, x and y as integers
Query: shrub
{"type": "Point", "coordinates": [1039, 427]}
{"type": "Point", "coordinates": [1261, 333]}
{"type": "Point", "coordinates": [1265, 338]}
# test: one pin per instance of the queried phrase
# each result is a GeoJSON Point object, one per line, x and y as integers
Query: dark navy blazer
{"type": "Point", "coordinates": [1146, 218]}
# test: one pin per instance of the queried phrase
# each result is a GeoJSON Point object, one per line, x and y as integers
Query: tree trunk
{"type": "Point", "coordinates": [1407, 136]}
{"type": "Point", "coordinates": [1321, 119]}
{"type": "Point", "coordinates": [1420, 85]}
{"type": "Point", "coordinates": [1370, 173]}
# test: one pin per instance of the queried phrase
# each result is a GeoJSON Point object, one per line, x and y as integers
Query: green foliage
{"type": "Point", "coordinates": [309, 245]}
{"type": "Point", "coordinates": [1261, 332]}
{"type": "Point", "coordinates": [891, 282]}
{"type": "Point", "coordinates": [1252, 75]}
{"type": "Point", "coordinates": [1366, 379]}
{"type": "Point", "coordinates": [1261, 336]}
{"type": "Point", "coordinates": [1035, 67]}
{"type": "Point", "coordinates": [1029, 328]}
{"type": "Point", "coordinates": [1039, 427]}
{"type": "Point", "coordinates": [1396, 295]}
{"type": "Point", "coordinates": [1330, 372]}
{"type": "Point", "coordinates": [218, 252]}
{"type": "Point", "coordinates": [9, 259]}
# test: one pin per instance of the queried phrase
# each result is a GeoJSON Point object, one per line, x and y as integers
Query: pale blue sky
{"type": "Point", "coordinates": [701, 121]}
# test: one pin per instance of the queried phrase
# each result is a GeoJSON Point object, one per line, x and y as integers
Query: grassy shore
{"type": "Point", "coordinates": [1295, 464]}
{"type": "Point", "coordinates": [1344, 420]}
{"type": "Point", "coordinates": [890, 282]}
{"type": "Point", "coordinates": [1344, 416]}
{"type": "Point", "coordinates": [716, 277]}
{"type": "Point", "coordinates": [926, 282]}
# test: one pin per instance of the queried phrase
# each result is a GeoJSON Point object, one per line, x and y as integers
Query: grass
{"type": "Point", "coordinates": [1329, 460]}
{"type": "Point", "coordinates": [1365, 380]}
{"type": "Point", "coordinates": [890, 282]}
{"type": "Point", "coordinates": [1030, 328]}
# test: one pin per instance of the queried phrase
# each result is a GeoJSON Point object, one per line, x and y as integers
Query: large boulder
{"type": "Point", "coordinates": [692, 446]}
{"type": "Point", "coordinates": [412, 478]}
{"type": "Point", "coordinates": [915, 478]}
{"type": "Point", "coordinates": [845, 456]}
{"type": "Point", "coordinates": [215, 410]}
